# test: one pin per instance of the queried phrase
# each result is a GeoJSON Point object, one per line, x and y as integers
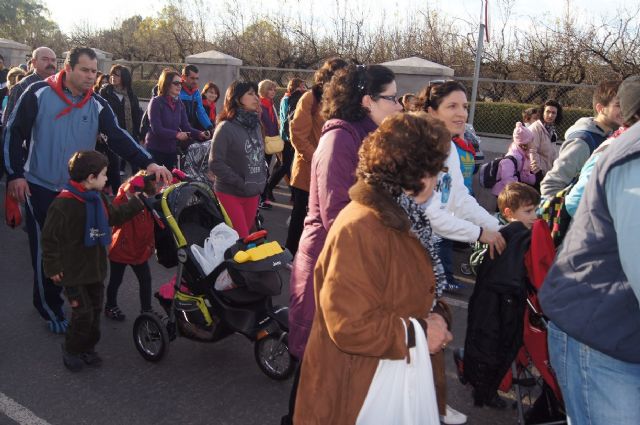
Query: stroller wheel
{"type": "Point", "coordinates": [273, 358]}
{"type": "Point", "coordinates": [150, 337]}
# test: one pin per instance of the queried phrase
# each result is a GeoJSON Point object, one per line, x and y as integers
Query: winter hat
{"type": "Point", "coordinates": [629, 95]}
{"type": "Point", "coordinates": [522, 135]}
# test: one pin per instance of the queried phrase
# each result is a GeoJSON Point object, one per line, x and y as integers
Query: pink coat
{"type": "Point", "coordinates": [507, 174]}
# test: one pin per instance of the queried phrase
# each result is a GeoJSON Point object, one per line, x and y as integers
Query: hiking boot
{"type": "Point", "coordinates": [72, 362]}
{"type": "Point", "coordinates": [114, 313]}
{"type": "Point", "coordinates": [91, 358]}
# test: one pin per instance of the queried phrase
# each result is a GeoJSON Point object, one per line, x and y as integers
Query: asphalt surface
{"type": "Point", "coordinates": [196, 383]}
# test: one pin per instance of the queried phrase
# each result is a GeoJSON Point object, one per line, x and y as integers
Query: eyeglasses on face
{"type": "Point", "coordinates": [391, 97]}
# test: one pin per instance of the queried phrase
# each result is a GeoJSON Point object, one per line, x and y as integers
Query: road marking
{"type": "Point", "coordinates": [18, 412]}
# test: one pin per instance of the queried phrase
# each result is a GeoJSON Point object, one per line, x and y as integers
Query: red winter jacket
{"type": "Point", "coordinates": [132, 242]}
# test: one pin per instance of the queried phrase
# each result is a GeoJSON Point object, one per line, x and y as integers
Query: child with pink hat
{"type": "Point", "coordinates": [520, 169]}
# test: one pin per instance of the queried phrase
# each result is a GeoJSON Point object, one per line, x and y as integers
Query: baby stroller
{"type": "Point", "coordinates": [531, 374]}
{"type": "Point", "coordinates": [185, 214]}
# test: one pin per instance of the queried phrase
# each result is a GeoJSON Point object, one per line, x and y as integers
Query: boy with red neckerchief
{"type": "Point", "coordinates": [75, 238]}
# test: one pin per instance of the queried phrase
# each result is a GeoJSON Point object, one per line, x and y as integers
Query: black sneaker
{"type": "Point", "coordinates": [91, 358]}
{"type": "Point", "coordinates": [72, 362]}
{"type": "Point", "coordinates": [114, 313]}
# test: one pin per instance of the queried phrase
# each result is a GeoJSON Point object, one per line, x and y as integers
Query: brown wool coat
{"type": "Point", "coordinates": [371, 273]}
{"type": "Point", "coordinates": [305, 128]}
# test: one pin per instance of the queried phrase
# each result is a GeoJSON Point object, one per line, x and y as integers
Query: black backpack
{"type": "Point", "coordinates": [488, 171]}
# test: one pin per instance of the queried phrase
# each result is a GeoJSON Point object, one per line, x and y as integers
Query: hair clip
{"type": "Point", "coordinates": [362, 78]}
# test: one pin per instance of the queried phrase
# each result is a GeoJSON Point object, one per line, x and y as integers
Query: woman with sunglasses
{"type": "Point", "coordinates": [453, 212]}
{"type": "Point", "coordinates": [169, 123]}
{"type": "Point", "coordinates": [354, 103]}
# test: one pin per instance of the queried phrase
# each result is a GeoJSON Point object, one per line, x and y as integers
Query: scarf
{"type": "Point", "coordinates": [56, 82]}
{"type": "Point", "coordinates": [212, 110]}
{"type": "Point", "coordinates": [464, 145]}
{"type": "Point", "coordinates": [126, 103]}
{"type": "Point", "coordinates": [171, 101]}
{"type": "Point", "coordinates": [268, 103]}
{"type": "Point", "coordinates": [96, 228]}
{"type": "Point", "coordinates": [189, 91]}
{"type": "Point", "coordinates": [247, 119]}
{"type": "Point", "coordinates": [421, 228]}
{"type": "Point", "coordinates": [551, 130]}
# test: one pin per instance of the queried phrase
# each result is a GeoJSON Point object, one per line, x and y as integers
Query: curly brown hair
{"type": "Point", "coordinates": [407, 147]}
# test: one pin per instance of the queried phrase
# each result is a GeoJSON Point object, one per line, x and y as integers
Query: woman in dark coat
{"type": "Point", "coordinates": [119, 93]}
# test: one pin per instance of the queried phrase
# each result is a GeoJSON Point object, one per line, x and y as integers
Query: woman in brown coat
{"type": "Point", "coordinates": [377, 267]}
{"type": "Point", "coordinates": [305, 130]}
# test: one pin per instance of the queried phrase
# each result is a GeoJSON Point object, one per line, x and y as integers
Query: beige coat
{"type": "Point", "coordinates": [541, 151]}
{"type": "Point", "coordinates": [371, 273]}
{"type": "Point", "coordinates": [305, 128]}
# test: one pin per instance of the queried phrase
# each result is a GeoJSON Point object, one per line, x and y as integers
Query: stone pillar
{"type": "Point", "coordinates": [218, 67]}
{"type": "Point", "coordinates": [14, 53]}
{"type": "Point", "coordinates": [413, 73]}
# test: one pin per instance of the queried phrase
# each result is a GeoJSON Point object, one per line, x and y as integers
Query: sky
{"type": "Point", "coordinates": [70, 13]}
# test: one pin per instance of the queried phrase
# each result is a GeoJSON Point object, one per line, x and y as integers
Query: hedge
{"type": "Point", "coordinates": [500, 117]}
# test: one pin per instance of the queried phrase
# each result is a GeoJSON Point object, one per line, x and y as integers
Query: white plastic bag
{"type": "Point", "coordinates": [224, 282]}
{"type": "Point", "coordinates": [403, 393]}
{"type": "Point", "coordinates": [211, 254]}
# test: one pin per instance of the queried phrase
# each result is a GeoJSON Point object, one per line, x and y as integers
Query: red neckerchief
{"type": "Point", "coordinates": [189, 91]}
{"type": "Point", "coordinates": [464, 145]}
{"type": "Point", "coordinates": [56, 82]}
{"type": "Point", "coordinates": [212, 109]}
{"type": "Point", "coordinates": [172, 102]}
{"type": "Point", "coordinates": [268, 103]}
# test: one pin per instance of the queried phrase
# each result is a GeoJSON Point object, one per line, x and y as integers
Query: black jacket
{"type": "Point", "coordinates": [496, 313]}
{"type": "Point", "coordinates": [108, 93]}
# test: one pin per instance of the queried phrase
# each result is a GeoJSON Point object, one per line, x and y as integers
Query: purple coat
{"type": "Point", "coordinates": [507, 174]}
{"type": "Point", "coordinates": [166, 123]}
{"type": "Point", "coordinates": [332, 174]}
{"type": "Point", "coordinates": [271, 127]}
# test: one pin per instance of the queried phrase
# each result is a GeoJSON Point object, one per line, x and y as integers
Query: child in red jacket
{"type": "Point", "coordinates": [132, 245]}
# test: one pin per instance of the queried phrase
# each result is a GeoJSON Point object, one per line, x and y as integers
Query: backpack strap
{"type": "Point", "coordinates": [513, 159]}
{"type": "Point", "coordinates": [591, 139]}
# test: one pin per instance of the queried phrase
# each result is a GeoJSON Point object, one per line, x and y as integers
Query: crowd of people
{"type": "Point", "coordinates": [381, 187]}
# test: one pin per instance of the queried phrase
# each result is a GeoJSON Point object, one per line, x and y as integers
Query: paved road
{"type": "Point", "coordinates": [196, 383]}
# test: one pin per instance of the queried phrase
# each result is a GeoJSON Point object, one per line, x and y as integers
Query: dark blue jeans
{"type": "Point", "coordinates": [445, 251]}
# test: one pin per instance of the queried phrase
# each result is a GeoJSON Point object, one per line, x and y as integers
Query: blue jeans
{"type": "Point", "coordinates": [597, 389]}
{"type": "Point", "coordinates": [445, 252]}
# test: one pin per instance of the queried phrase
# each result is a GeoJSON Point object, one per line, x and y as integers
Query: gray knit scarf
{"type": "Point", "coordinates": [421, 228]}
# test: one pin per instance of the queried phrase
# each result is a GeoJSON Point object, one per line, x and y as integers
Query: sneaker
{"type": "Point", "coordinates": [265, 205]}
{"type": "Point", "coordinates": [58, 326]}
{"type": "Point", "coordinates": [72, 362]}
{"type": "Point", "coordinates": [453, 417]}
{"type": "Point", "coordinates": [114, 313]}
{"type": "Point", "coordinates": [91, 358]}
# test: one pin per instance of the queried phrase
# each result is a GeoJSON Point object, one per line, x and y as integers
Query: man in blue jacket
{"type": "Point", "coordinates": [58, 117]}
{"type": "Point", "coordinates": [192, 99]}
{"type": "Point", "coordinates": [591, 293]}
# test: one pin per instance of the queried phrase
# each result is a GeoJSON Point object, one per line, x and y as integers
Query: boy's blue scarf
{"type": "Point", "coordinates": [96, 228]}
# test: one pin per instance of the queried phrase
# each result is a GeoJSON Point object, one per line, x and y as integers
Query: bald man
{"type": "Point", "coordinates": [43, 65]}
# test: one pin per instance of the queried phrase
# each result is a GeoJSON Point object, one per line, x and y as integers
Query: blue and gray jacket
{"type": "Point", "coordinates": [51, 142]}
{"type": "Point", "coordinates": [198, 117]}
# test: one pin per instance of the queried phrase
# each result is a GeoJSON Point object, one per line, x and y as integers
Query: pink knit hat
{"type": "Point", "coordinates": [522, 135]}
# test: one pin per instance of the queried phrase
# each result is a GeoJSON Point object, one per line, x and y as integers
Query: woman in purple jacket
{"type": "Point", "coordinates": [269, 120]}
{"type": "Point", "coordinates": [355, 102]}
{"type": "Point", "coordinates": [169, 122]}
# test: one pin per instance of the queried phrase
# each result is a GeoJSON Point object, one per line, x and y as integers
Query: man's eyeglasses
{"type": "Point", "coordinates": [176, 83]}
{"type": "Point", "coordinates": [391, 97]}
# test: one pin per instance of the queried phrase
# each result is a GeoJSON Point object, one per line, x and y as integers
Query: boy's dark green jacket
{"type": "Point", "coordinates": [63, 248]}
